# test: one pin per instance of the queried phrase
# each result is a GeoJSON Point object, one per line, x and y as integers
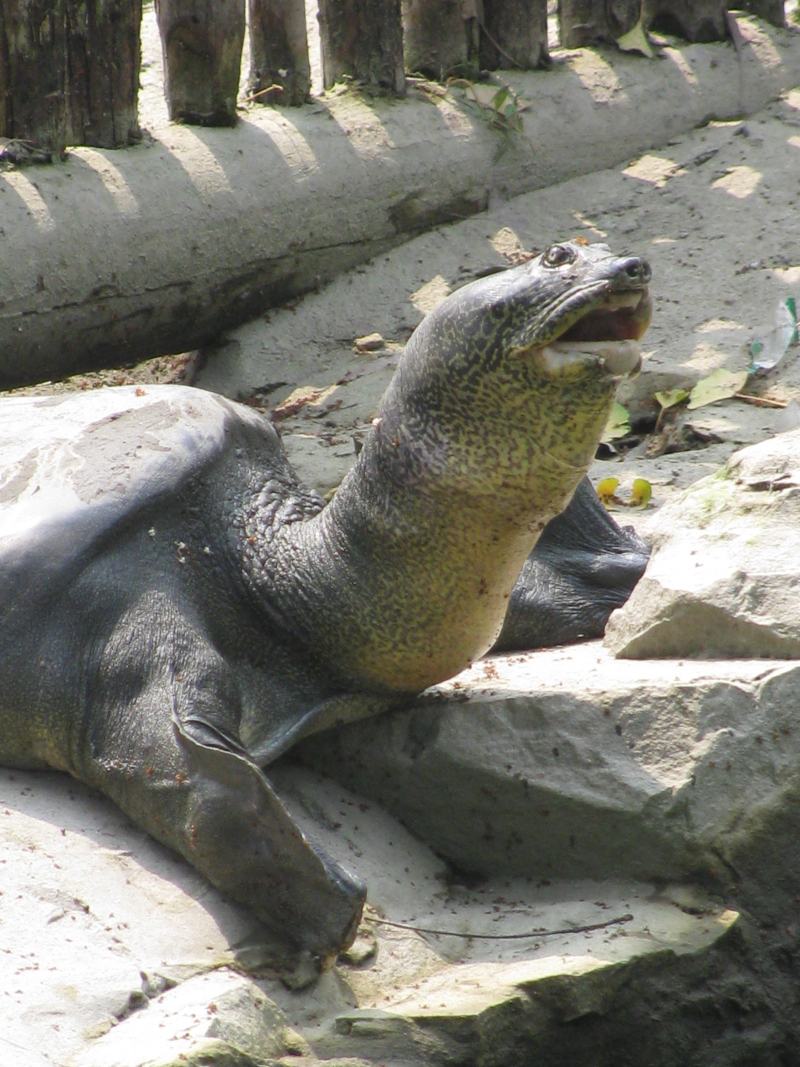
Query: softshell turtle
{"type": "Point", "coordinates": [176, 610]}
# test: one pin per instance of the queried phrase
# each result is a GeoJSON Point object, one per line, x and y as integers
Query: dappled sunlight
{"type": "Point", "coordinates": [597, 76]}
{"type": "Point", "coordinates": [707, 357]}
{"type": "Point", "coordinates": [714, 325]}
{"type": "Point", "coordinates": [430, 295]}
{"type": "Point", "coordinates": [682, 63]}
{"type": "Point", "coordinates": [793, 98]}
{"type": "Point", "coordinates": [362, 125]}
{"type": "Point", "coordinates": [591, 226]}
{"type": "Point", "coordinates": [295, 150]}
{"type": "Point", "coordinates": [455, 119]}
{"type": "Point", "coordinates": [111, 177]}
{"type": "Point", "coordinates": [506, 242]}
{"type": "Point", "coordinates": [794, 142]}
{"type": "Point", "coordinates": [657, 170]}
{"type": "Point", "coordinates": [30, 197]}
{"type": "Point", "coordinates": [761, 44]}
{"type": "Point", "coordinates": [196, 158]}
{"type": "Point", "coordinates": [787, 275]}
{"type": "Point", "coordinates": [740, 182]}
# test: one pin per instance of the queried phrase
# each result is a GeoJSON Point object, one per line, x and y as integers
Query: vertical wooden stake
{"type": "Point", "coordinates": [438, 40]}
{"type": "Point", "coordinates": [696, 20]}
{"type": "Point", "coordinates": [279, 51]}
{"type": "Point", "coordinates": [585, 22]}
{"type": "Point", "coordinates": [69, 72]}
{"type": "Point", "coordinates": [514, 34]}
{"type": "Point", "coordinates": [363, 40]}
{"type": "Point", "coordinates": [201, 41]}
{"type": "Point", "coordinates": [772, 11]}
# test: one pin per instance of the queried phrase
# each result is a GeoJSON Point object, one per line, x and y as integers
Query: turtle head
{"type": "Point", "coordinates": [511, 379]}
{"type": "Point", "coordinates": [579, 305]}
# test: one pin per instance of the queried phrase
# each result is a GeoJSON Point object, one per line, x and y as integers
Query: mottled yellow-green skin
{"type": "Point", "coordinates": [403, 580]}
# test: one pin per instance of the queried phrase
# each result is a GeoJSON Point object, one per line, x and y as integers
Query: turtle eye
{"type": "Point", "coordinates": [558, 255]}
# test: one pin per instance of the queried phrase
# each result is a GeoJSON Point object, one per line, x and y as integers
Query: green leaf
{"type": "Point", "coordinates": [670, 397]}
{"type": "Point", "coordinates": [636, 41]}
{"type": "Point", "coordinates": [618, 425]}
{"type": "Point", "coordinates": [720, 385]}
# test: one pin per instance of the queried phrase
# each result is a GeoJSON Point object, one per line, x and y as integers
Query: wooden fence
{"type": "Point", "coordinates": [69, 69]}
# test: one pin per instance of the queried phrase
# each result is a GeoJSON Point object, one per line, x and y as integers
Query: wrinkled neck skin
{"type": "Point", "coordinates": [404, 578]}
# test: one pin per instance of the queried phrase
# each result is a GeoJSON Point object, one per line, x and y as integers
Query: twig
{"type": "Point", "coordinates": [263, 92]}
{"type": "Point", "coordinates": [761, 401]}
{"type": "Point", "coordinates": [508, 937]}
{"type": "Point", "coordinates": [425, 85]}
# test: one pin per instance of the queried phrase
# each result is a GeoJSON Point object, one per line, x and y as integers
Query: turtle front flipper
{"type": "Point", "coordinates": [582, 568]}
{"type": "Point", "coordinates": [240, 836]}
{"type": "Point", "coordinates": [162, 741]}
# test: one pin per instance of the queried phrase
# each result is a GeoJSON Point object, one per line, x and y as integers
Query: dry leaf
{"type": "Point", "coordinates": [618, 424]}
{"type": "Point", "coordinates": [720, 385]}
{"type": "Point", "coordinates": [635, 40]}
{"type": "Point", "coordinates": [670, 397]}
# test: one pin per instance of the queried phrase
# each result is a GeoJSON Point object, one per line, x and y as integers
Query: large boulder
{"type": "Point", "coordinates": [570, 764]}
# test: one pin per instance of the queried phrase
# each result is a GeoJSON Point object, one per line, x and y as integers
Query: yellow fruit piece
{"type": "Point", "coordinates": [641, 493]}
{"type": "Point", "coordinates": [606, 489]}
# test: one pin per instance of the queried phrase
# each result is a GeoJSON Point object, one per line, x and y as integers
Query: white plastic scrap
{"type": "Point", "coordinates": [767, 352]}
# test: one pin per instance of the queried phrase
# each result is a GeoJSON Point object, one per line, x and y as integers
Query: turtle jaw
{"type": "Point", "coordinates": [606, 335]}
{"type": "Point", "coordinates": [619, 359]}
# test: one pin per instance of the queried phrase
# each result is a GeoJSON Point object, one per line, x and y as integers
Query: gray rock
{"type": "Point", "coordinates": [96, 919]}
{"type": "Point", "coordinates": [569, 764]}
{"type": "Point", "coordinates": [221, 1019]}
{"type": "Point", "coordinates": [138, 966]}
{"type": "Point", "coordinates": [724, 577]}
{"type": "Point", "coordinates": [500, 1011]}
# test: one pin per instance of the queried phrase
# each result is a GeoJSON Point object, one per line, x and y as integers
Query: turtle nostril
{"type": "Point", "coordinates": [638, 270]}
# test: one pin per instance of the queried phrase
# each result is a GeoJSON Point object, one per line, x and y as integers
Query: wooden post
{"type": "Point", "coordinates": [696, 20]}
{"type": "Point", "coordinates": [514, 34]}
{"type": "Point", "coordinates": [440, 38]}
{"type": "Point", "coordinates": [69, 72]}
{"type": "Point", "coordinates": [363, 40]}
{"type": "Point", "coordinates": [201, 41]}
{"type": "Point", "coordinates": [584, 22]}
{"type": "Point", "coordinates": [279, 51]}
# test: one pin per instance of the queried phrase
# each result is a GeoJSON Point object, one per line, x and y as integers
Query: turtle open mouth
{"type": "Point", "coordinates": [621, 317]}
{"type": "Point", "coordinates": [607, 333]}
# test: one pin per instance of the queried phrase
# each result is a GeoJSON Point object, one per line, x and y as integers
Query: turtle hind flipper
{"type": "Point", "coordinates": [583, 567]}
